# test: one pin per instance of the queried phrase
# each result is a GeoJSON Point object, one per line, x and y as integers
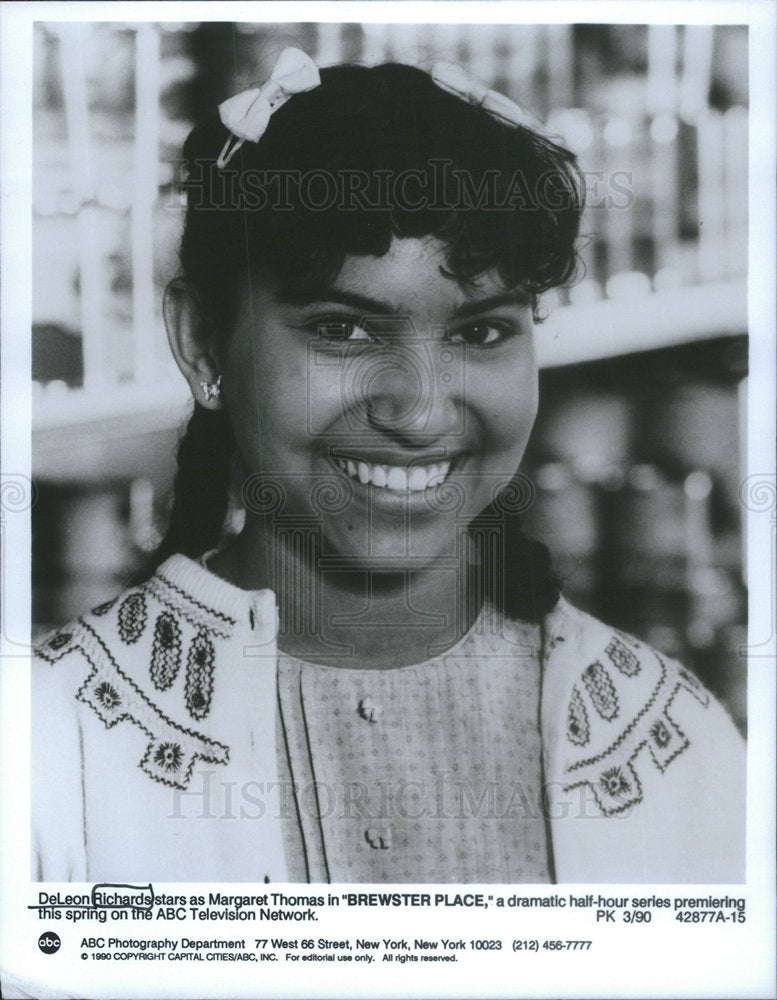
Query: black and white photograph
{"type": "Point", "coordinates": [398, 406]}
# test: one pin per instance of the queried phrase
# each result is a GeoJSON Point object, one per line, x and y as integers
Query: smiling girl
{"type": "Point", "coordinates": [376, 679]}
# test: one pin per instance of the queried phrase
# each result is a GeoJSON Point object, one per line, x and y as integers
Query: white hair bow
{"type": "Point", "coordinates": [462, 84]}
{"type": "Point", "coordinates": [247, 114]}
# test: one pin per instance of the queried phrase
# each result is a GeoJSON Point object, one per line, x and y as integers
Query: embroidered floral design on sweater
{"type": "Point", "coordinates": [132, 617]}
{"type": "Point", "coordinates": [169, 756]}
{"type": "Point", "coordinates": [622, 657]}
{"type": "Point", "coordinates": [59, 641]}
{"type": "Point", "coordinates": [693, 682]}
{"type": "Point", "coordinates": [166, 651]}
{"type": "Point", "coordinates": [614, 782]}
{"type": "Point", "coordinates": [578, 729]}
{"type": "Point", "coordinates": [660, 734]}
{"type": "Point", "coordinates": [199, 675]}
{"type": "Point", "coordinates": [173, 749]}
{"type": "Point", "coordinates": [610, 773]}
{"type": "Point", "coordinates": [601, 690]}
{"type": "Point", "coordinates": [666, 739]}
{"type": "Point", "coordinates": [103, 609]}
{"type": "Point", "coordinates": [107, 695]}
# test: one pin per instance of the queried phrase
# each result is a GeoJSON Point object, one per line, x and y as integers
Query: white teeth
{"type": "Point", "coordinates": [395, 477]}
{"type": "Point", "coordinates": [418, 479]}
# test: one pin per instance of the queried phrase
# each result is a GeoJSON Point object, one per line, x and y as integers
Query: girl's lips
{"type": "Point", "coordinates": [396, 478]}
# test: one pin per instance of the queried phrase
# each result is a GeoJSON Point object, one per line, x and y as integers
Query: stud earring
{"type": "Point", "coordinates": [212, 390]}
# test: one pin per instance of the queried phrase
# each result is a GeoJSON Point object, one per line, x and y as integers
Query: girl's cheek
{"type": "Point", "coordinates": [512, 409]}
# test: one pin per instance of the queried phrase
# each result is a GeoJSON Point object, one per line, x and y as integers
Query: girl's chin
{"type": "Point", "coordinates": [398, 549]}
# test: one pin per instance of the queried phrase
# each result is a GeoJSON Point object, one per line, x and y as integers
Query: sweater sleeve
{"type": "Point", "coordinates": [686, 822]}
{"type": "Point", "coordinates": [57, 801]}
{"type": "Point", "coordinates": [646, 772]}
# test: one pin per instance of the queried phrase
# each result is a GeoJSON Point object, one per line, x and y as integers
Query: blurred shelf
{"type": "Point", "coordinates": [613, 327]}
{"type": "Point", "coordinates": [130, 431]}
{"type": "Point", "coordinates": [123, 433]}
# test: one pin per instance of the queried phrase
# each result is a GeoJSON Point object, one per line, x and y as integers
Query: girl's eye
{"type": "Point", "coordinates": [348, 330]}
{"type": "Point", "coordinates": [482, 333]}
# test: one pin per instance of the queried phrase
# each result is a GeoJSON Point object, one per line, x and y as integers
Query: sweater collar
{"type": "Point", "coordinates": [204, 587]}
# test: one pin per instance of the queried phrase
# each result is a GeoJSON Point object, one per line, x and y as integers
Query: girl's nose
{"type": "Point", "coordinates": [415, 391]}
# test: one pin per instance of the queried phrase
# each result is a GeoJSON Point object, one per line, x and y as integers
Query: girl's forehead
{"type": "Point", "coordinates": [412, 273]}
{"type": "Point", "coordinates": [410, 279]}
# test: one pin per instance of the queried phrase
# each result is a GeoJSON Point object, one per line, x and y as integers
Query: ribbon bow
{"type": "Point", "coordinates": [462, 84]}
{"type": "Point", "coordinates": [247, 114]}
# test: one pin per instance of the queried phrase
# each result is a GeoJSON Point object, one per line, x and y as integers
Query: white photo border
{"type": "Point", "coordinates": [738, 965]}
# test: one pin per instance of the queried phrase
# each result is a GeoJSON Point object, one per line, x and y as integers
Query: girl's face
{"type": "Point", "coordinates": [389, 409]}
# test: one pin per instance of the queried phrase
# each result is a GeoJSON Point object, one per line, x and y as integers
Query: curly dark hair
{"type": "Point", "coordinates": [330, 178]}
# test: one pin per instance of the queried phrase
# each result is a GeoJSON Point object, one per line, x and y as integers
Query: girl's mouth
{"type": "Point", "coordinates": [397, 478]}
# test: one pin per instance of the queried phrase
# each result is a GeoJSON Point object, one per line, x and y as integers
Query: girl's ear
{"type": "Point", "coordinates": [191, 343]}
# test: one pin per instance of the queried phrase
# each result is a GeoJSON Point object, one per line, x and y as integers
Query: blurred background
{"type": "Point", "coordinates": [639, 448]}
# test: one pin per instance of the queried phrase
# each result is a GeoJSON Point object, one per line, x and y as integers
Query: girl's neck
{"type": "Point", "coordinates": [353, 617]}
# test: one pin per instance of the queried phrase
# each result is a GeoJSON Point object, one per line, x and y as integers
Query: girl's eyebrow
{"type": "Point", "coordinates": [516, 296]}
{"type": "Point", "coordinates": [377, 307]}
{"type": "Point", "coordinates": [327, 295]}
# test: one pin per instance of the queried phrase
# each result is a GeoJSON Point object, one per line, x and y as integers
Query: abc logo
{"type": "Point", "coordinates": [49, 943]}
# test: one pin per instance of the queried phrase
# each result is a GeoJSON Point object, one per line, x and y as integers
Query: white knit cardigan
{"type": "Point", "coordinates": [645, 772]}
